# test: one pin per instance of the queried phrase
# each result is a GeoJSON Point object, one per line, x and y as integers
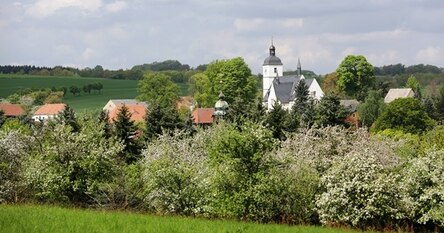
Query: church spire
{"type": "Point", "coordinates": [272, 48]}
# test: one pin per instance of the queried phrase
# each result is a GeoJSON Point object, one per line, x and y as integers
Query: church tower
{"type": "Point", "coordinates": [271, 69]}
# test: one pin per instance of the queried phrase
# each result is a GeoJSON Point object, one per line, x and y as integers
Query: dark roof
{"type": "Point", "coordinates": [272, 60]}
{"type": "Point", "coordinates": [284, 87]}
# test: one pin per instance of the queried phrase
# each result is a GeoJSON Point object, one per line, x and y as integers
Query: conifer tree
{"type": "Point", "coordinates": [107, 128]}
{"type": "Point", "coordinates": [159, 120]}
{"type": "Point", "coordinates": [68, 117]}
{"type": "Point", "coordinates": [125, 131]}
{"type": "Point", "coordinates": [2, 117]}
{"type": "Point", "coordinates": [276, 120]}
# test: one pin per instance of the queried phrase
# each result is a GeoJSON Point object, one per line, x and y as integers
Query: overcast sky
{"type": "Point", "coordinates": [120, 34]}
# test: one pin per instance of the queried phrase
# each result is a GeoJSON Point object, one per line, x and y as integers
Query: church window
{"type": "Point", "coordinates": [275, 70]}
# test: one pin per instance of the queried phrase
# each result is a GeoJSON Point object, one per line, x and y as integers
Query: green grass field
{"type": "Point", "coordinates": [30, 218]}
{"type": "Point", "coordinates": [112, 89]}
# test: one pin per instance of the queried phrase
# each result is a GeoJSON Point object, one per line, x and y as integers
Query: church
{"type": "Point", "coordinates": [280, 88]}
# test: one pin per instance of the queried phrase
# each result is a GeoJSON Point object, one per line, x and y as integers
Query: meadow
{"type": "Point", "coordinates": [35, 218]}
{"type": "Point", "coordinates": [112, 89]}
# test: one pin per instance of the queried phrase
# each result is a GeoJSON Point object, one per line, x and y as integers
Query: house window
{"type": "Point", "coordinates": [313, 93]}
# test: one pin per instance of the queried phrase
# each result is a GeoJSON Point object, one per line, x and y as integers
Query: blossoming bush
{"type": "Point", "coordinates": [174, 171]}
{"type": "Point", "coordinates": [68, 166]}
{"type": "Point", "coordinates": [14, 146]}
{"type": "Point", "coordinates": [424, 183]}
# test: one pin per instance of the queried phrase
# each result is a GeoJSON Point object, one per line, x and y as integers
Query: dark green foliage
{"type": "Point", "coordinates": [371, 108]}
{"type": "Point", "coordinates": [276, 120]}
{"type": "Point", "coordinates": [107, 127]}
{"type": "Point", "coordinates": [356, 76]}
{"type": "Point", "coordinates": [430, 107]}
{"type": "Point", "coordinates": [440, 103]}
{"type": "Point", "coordinates": [160, 120]}
{"type": "Point", "coordinates": [330, 111]}
{"type": "Point", "coordinates": [303, 111]}
{"type": "Point", "coordinates": [405, 114]}
{"type": "Point", "coordinates": [2, 117]}
{"type": "Point", "coordinates": [126, 131]}
{"type": "Point", "coordinates": [75, 90]}
{"type": "Point", "coordinates": [241, 111]}
{"type": "Point", "coordinates": [68, 117]}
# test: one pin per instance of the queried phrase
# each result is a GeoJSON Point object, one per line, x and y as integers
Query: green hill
{"type": "Point", "coordinates": [112, 89]}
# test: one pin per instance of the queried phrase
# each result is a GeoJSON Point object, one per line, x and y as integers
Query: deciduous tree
{"type": "Point", "coordinates": [158, 89]}
{"type": "Point", "coordinates": [355, 76]}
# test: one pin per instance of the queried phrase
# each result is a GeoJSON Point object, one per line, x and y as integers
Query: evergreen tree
{"type": "Point", "coordinates": [276, 120]}
{"type": "Point", "coordinates": [2, 117]}
{"type": "Point", "coordinates": [189, 128]}
{"type": "Point", "coordinates": [430, 108]}
{"type": "Point", "coordinates": [107, 128]}
{"type": "Point", "coordinates": [329, 111]}
{"type": "Point", "coordinates": [159, 120]}
{"type": "Point", "coordinates": [68, 117]}
{"type": "Point", "coordinates": [125, 131]}
{"type": "Point", "coordinates": [302, 113]}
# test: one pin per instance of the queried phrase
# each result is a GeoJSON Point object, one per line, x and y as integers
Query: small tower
{"type": "Point", "coordinates": [220, 108]}
{"type": "Point", "coordinates": [299, 70]}
{"type": "Point", "coordinates": [271, 69]}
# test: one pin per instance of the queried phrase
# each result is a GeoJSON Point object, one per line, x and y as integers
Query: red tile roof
{"type": "Point", "coordinates": [138, 112]}
{"type": "Point", "coordinates": [203, 115]}
{"type": "Point", "coordinates": [50, 109]}
{"type": "Point", "coordinates": [12, 110]}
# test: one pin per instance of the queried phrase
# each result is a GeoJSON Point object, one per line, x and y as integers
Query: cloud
{"type": "Point", "coordinates": [44, 8]}
{"type": "Point", "coordinates": [260, 24]}
{"type": "Point", "coordinates": [116, 6]}
{"type": "Point", "coordinates": [429, 54]}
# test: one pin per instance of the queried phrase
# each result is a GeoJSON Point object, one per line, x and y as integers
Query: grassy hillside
{"type": "Point", "coordinates": [112, 89]}
{"type": "Point", "coordinates": [15, 219]}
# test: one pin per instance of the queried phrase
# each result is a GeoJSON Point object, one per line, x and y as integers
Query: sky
{"type": "Point", "coordinates": [119, 34]}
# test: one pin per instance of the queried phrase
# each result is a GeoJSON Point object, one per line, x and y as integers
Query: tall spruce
{"type": "Point", "coordinates": [276, 120]}
{"type": "Point", "coordinates": [2, 117]}
{"type": "Point", "coordinates": [68, 117]}
{"type": "Point", "coordinates": [159, 120]}
{"type": "Point", "coordinates": [126, 131]}
{"type": "Point", "coordinates": [107, 127]}
{"type": "Point", "coordinates": [330, 111]}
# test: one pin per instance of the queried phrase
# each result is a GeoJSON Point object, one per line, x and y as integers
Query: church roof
{"type": "Point", "coordinates": [272, 60]}
{"type": "Point", "coordinates": [284, 87]}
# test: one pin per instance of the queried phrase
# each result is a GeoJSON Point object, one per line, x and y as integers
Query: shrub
{"type": "Point", "coordinates": [14, 146]}
{"type": "Point", "coordinates": [69, 166]}
{"type": "Point", "coordinates": [424, 182]}
{"type": "Point", "coordinates": [174, 171]}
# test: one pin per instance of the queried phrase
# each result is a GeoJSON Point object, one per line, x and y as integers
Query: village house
{"type": "Point", "coordinates": [111, 104]}
{"type": "Point", "coordinates": [137, 111]}
{"type": "Point", "coordinates": [352, 107]}
{"type": "Point", "coordinates": [12, 110]}
{"type": "Point", "coordinates": [396, 93]}
{"type": "Point", "coordinates": [47, 112]}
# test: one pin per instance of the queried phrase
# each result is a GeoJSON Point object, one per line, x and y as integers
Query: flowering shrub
{"type": "Point", "coordinates": [14, 146]}
{"type": "Point", "coordinates": [174, 171]}
{"type": "Point", "coordinates": [424, 182]}
{"type": "Point", "coordinates": [68, 166]}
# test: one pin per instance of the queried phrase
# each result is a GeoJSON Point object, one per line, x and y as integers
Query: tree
{"type": "Point", "coordinates": [2, 117]}
{"type": "Point", "coordinates": [355, 76]}
{"type": "Point", "coordinates": [74, 90]}
{"type": "Point", "coordinates": [413, 83]}
{"type": "Point", "coordinates": [276, 120]}
{"type": "Point", "coordinates": [329, 85]}
{"type": "Point", "coordinates": [68, 117]}
{"type": "Point", "coordinates": [107, 128]}
{"type": "Point", "coordinates": [159, 120]}
{"type": "Point", "coordinates": [125, 131]}
{"type": "Point", "coordinates": [232, 77]}
{"type": "Point", "coordinates": [371, 108]}
{"type": "Point", "coordinates": [405, 114]}
{"type": "Point", "coordinates": [329, 111]}
{"type": "Point", "coordinates": [158, 89]}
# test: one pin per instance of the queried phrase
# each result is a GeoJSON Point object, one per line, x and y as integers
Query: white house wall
{"type": "Point", "coordinates": [316, 90]}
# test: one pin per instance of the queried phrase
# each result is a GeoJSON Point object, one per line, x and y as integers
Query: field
{"type": "Point", "coordinates": [112, 89]}
{"type": "Point", "coordinates": [29, 218]}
